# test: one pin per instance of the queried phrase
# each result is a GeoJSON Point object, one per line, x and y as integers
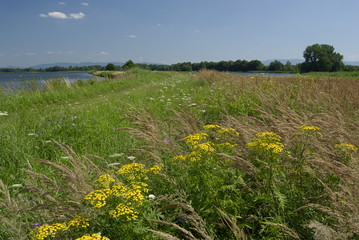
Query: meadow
{"type": "Point", "coordinates": [192, 155]}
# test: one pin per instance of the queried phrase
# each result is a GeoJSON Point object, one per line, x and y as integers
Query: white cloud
{"type": "Point", "coordinates": [132, 36]}
{"type": "Point", "coordinates": [62, 3]}
{"type": "Point", "coordinates": [61, 15]}
{"type": "Point", "coordinates": [84, 4]}
{"type": "Point", "coordinates": [30, 54]}
{"type": "Point", "coordinates": [104, 53]}
{"type": "Point", "coordinates": [79, 15]}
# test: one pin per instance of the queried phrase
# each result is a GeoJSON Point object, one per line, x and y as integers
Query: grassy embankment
{"type": "Point", "coordinates": [158, 155]}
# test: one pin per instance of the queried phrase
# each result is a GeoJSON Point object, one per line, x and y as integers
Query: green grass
{"type": "Point", "coordinates": [223, 185]}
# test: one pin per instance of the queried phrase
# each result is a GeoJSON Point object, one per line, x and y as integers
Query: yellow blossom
{"type": "Point", "coordinates": [93, 237]}
{"type": "Point", "coordinates": [195, 138]}
{"type": "Point", "coordinates": [124, 210]}
{"type": "Point", "coordinates": [104, 181]}
{"type": "Point", "coordinates": [345, 147]}
{"type": "Point", "coordinates": [79, 221]}
{"type": "Point", "coordinates": [98, 197]}
{"type": "Point", "coordinates": [309, 128]}
{"type": "Point", "coordinates": [206, 147]}
{"type": "Point", "coordinates": [46, 230]}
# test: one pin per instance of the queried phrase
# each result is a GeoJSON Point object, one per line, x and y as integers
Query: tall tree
{"type": "Point", "coordinates": [321, 58]}
{"type": "Point", "coordinates": [276, 66]}
{"type": "Point", "coordinates": [128, 65]}
{"type": "Point", "coordinates": [110, 67]}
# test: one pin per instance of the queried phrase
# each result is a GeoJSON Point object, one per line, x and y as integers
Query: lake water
{"type": "Point", "coordinates": [15, 80]}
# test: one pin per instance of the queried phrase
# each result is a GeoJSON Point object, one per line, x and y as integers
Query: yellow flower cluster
{"type": "Point", "coordinates": [221, 130]}
{"type": "Point", "coordinates": [79, 221]}
{"type": "Point", "coordinates": [194, 139]}
{"type": "Point", "coordinates": [309, 128]}
{"type": "Point", "coordinates": [124, 210]}
{"type": "Point", "coordinates": [206, 147]}
{"type": "Point", "coordinates": [267, 141]}
{"type": "Point", "coordinates": [46, 230]}
{"type": "Point", "coordinates": [104, 181]}
{"type": "Point", "coordinates": [192, 157]}
{"type": "Point", "coordinates": [126, 195]}
{"type": "Point", "coordinates": [98, 198]}
{"type": "Point", "coordinates": [201, 146]}
{"type": "Point", "coordinates": [93, 237]}
{"type": "Point", "coordinates": [345, 147]}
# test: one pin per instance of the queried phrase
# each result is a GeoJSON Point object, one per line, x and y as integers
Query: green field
{"type": "Point", "coordinates": [194, 155]}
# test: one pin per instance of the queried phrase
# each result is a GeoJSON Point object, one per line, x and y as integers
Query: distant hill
{"type": "Point", "coordinates": [82, 64]}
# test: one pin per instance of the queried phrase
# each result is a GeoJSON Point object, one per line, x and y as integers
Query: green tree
{"type": "Point", "coordinates": [321, 58]}
{"type": "Point", "coordinates": [276, 66]}
{"type": "Point", "coordinates": [128, 65]}
{"type": "Point", "coordinates": [110, 67]}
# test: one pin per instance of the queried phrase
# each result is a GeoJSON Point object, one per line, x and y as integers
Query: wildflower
{"type": "Point", "coordinates": [37, 224]}
{"type": "Point", "coordinates": [124, 210]}
{"type": "Point", "coordinates": [345, 147]}
{"type": "Point", "coordinates": [151, 196]}
{"type": "Point", "coordinates": [156, 169]}
{"type": "Point", "coordinates": [167, 140]}
{"type": "Point", "coordinates": [78, 221]}
{"type": "Point", "coordinates": [98, 197]}
{"type": "Point", "coordinates": [206, 147]}
{"type": "Point", "coordinates": [309, 128]}
{"type": "Point", "coordinates": [211, 126]}
{"type": "Point", "coordinates": [131, 158]}
{"type": "Point", "coordinates": [195, 138]}
{"type": "Point", "coordinates": [93, 237]}
{"type": "Point", "coordinates": [46, 230]}
{"type": "Point", "coordinates": [116, 155]}
{"type": "Point", "coordinates": [104, 180]}
{"type": "Point", "coordinates": [31, 134]}
{"type": "Point", "coordinates": [18, 185]}
{"type": "Point", "coordinates": [4, 113]}
{"type": "Point", "coordinates": [267, 141]}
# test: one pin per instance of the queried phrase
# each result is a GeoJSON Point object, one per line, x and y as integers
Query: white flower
{"type": "Point", "coordinates": [65, 157]}
{"type": "Point", "coordinates": [31, 134]}
{"type": "Point", "coordinates": [3, 114]}
{"type": "Point", "coordinates": [113, 164]}
{"type": "Point", "coordinates": [116, 155]}
{"type": "Point", "coordinates": [151, 196]}
{"type": "Point", "coordinates": [131, 157]}
{"type": "Point", "coordinates": [47, 141]}
{"type": "Point", "coordinates": [16, 185]}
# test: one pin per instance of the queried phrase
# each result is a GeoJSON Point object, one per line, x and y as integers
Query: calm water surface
{"type": "Point", "coordinates": [15, 80]}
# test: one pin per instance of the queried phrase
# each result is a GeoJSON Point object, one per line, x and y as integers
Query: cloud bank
{"type": "Point", "coordinates": [61, 15]}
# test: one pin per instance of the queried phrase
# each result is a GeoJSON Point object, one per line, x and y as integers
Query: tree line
{"type": "Point", "coordinates": [317, 58]}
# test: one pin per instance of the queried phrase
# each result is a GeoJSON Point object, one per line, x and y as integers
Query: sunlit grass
{"type": "Point", "coordinates": [234, 158]}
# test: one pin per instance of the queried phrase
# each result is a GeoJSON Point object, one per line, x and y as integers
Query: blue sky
{"type": "Point", "coordinates": [171, 31]}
